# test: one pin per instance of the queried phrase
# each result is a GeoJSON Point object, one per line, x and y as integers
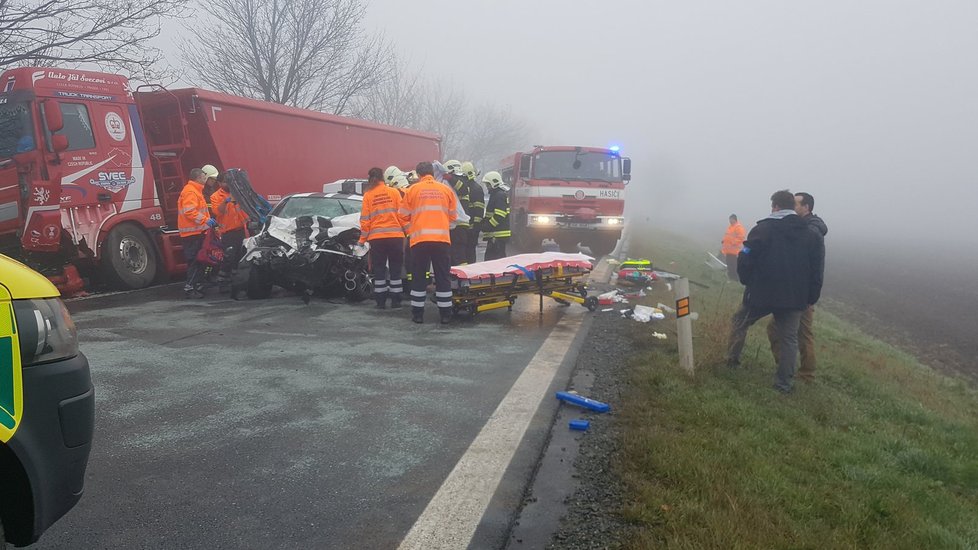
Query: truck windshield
{"type": "Point", "coordinates": [590, 166]}
{"type": "Point", "coordinates": [16, 129]}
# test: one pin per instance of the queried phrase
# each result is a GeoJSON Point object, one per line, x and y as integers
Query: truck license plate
{"type": "Point", "coordinates": [577, 225]}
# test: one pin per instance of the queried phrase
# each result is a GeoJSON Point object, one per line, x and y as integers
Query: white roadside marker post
{"type": "Point", "coordinates": [684, 325]}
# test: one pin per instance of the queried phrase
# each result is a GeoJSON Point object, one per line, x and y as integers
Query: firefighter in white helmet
{"type": "Point", "coordinates": [476, 209]}
{"type": "Point", "coordinates": [495, 227]}
{"type": "Point", "coordinates": [454, 167]}
{"type": "Point", "coordinates": [390, 173]}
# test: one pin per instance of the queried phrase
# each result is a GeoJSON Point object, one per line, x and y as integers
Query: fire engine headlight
{"type": "Point", "coordinates": [46, 331]}
{"type": "Point", "coordinates": [541, 220]}
{"type": "Point", "coordinates": [614, 221]}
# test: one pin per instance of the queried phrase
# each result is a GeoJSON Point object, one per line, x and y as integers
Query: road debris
{"type": "Point", "coordinates": [581, 401]}
{"type": "Point", "coordinates": [644, 314]}
{"type": "Point", "coordinates": [579, 425]}
{"type": "Point", "coordinates": [659, 335]}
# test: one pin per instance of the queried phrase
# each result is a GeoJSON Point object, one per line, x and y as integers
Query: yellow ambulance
{"type": "Point", "coordinates": [47, 406]}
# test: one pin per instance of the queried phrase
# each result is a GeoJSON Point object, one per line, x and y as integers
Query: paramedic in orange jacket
{"type": "Point", "coordinates": [193, 220]}
{"type": "Point", "coordinates": [231, 221]}
{"type": "Point", "coordinates": [427, 212]}
{"type": "Point", "coordinates": [381, 226]}
{"type": "Point", "coordinates": [733, 242]}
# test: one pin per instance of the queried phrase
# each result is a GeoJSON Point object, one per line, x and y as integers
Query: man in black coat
{"type": "Point", "coordinates": [781, 267]}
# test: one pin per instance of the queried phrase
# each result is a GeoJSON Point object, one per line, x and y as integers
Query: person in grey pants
{"type": "Point", "coordinates": [781, 267]}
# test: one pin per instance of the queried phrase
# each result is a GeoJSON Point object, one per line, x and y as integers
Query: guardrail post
{"type": "Point", "coordinates": [684, 325]}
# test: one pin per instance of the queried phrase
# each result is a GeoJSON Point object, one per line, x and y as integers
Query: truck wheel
{"type": "Point", "coordinates": [602, 246]}
{"type": "Point", "coordinates": [129, 257]}
{"type": "Point", "coordinates": [259, 283]}
{"type": "Point", "coordinates": [568, 243]}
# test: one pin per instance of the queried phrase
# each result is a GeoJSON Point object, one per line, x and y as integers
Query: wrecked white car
{"type": "Point", "coordinates": [308, 245]}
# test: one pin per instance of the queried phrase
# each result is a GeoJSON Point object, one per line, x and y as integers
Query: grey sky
{"type": "Point", "coordinates": [870, 105]}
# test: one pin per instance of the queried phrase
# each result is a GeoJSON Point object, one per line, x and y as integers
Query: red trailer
{"type": "Point", "coordinates": [90, 171]}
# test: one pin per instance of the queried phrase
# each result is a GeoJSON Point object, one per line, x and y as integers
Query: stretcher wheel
{"type": "Point", "coordinates": [465, 311]}
{"type": "Point", "coordinates": [591, 303]}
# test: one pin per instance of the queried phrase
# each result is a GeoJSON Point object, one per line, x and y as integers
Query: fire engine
{"type": "Point", "coordinates": [574, 195]}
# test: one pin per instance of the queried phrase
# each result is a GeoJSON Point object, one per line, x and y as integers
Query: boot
{"type": "Point", "coordinates": [445, 315]}
{"type": "Point", "coordinates": [395, 301]}
{"type": "Point", "coordinates": [417, 314]}
{"type": "Point", "coordinates": [382, 302]}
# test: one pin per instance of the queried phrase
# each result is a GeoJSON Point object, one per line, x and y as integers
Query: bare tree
{"type": "Point", "coordinates": [113, 33]}
{"type": "Point", "coordinates": [305, 53]}
{"type": "Point", "coordinates": [483, 134]}
{"type": "Point", "coordinates": [397, 100]}
{"type": "Point", "coordinates": [491, 133]}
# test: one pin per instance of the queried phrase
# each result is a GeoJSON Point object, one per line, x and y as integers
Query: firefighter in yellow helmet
{"type": "Point", "coordinates": [476, 209]}
{"type": "Point", "coordinates": [496, 224]}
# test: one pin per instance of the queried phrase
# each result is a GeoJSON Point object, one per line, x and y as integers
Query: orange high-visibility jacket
{"type": "Point", "coordinates": [379, 218]}
{"type": "Point", "coordinates": [192, 212]}
{"type": "Point", "coordinates": [229, 214]}
{"type": "Point", "coordinates": [427, 210]}
{"type": "Point", "coordinates": [733, 239]}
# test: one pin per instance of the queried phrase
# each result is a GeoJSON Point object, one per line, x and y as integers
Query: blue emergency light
{"type": "Point", "coordinates": [614, 148]}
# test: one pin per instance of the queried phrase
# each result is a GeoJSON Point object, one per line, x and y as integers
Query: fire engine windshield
{"type": "Point", "coordinates": [581, 166]}
{"type": "Point", "coordinates": [16, 129]}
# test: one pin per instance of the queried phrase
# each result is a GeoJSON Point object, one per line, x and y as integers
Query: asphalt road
{"type": "Point", "coordinates": [271, 424]}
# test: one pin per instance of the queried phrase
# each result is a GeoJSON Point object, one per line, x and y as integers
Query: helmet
{"type": "Point", "coordinates": [468, 169]}
{"type": "Point", "coordinates": [400, 181]}
{"type": "Point", "coordinates": [209, 171]}
{"type": "Point", "coordinates": [454, 167]}
{"type": "Point", "coordinates": [391, 173]}
{"type": "Point", "coordinates": [492, 179]}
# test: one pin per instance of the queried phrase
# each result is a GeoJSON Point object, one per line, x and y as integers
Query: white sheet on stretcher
{"type": "Point", "coordinates": [530, 262]}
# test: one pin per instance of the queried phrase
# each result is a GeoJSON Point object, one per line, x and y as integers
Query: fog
{"type": "Point", "coordinates": [871, 106]}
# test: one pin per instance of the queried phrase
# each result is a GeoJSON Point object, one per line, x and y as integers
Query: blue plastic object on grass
{"type": "Point", "coordinates": [582, 401]}
{"type": "Point", "coordinates": [579, 425]}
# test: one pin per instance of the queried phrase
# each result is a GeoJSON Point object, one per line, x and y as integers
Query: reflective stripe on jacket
{"type": "Point", "coordinates": [429, 207]}
{"type": "Point", "coordinates": [229, 214]}
{"type": "Point", "coordinates": [477, 203]}
{"type": "Point", "coordinates": [379, 218]}
{"type": "Point", "coordinates": [192, 214]}
{"type": "Point", "coordinates": [461, 186]}
{"type": "Point", "coordinates": [497, 215]}
{"type": "Point", "coordinates": [733, 239]}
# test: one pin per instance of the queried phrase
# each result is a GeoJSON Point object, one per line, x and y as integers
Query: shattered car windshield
{"type": "Point", "coordinates": [16, 129]}
{"type": "Point", "coordinates": [326, 207]}
{"type": "Point", "coordinates": [582, 166]}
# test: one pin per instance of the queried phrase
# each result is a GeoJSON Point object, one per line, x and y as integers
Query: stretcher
{"type": "Point", "coordinates": [485, 286]}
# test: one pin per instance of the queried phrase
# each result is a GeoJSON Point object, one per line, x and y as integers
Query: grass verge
{"type": "Point", "coordinates": [879, 452]}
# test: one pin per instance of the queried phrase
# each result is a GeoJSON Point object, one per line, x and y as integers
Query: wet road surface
{"type": "Point", "coordinates": [272, 424]}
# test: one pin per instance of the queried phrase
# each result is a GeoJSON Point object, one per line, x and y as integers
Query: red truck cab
{"type": "Point", "coordinates": [567, 193]}
{"type": "Point", "coordinates": [74, 181]}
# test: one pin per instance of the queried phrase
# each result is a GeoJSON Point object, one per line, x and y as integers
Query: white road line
{"type": "Point", "coordinates": [454, 512]}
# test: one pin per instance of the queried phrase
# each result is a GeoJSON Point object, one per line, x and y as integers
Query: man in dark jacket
{"type": "Point", "coordinates": [804, 204]}
{"type": "Point", "coordinates": [781, 267]}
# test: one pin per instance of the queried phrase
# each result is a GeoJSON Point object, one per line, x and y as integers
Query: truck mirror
{"type": "Point", "coordinates": [626, 169]}
{"type": "Point", "coordinates": [59, 143]}
{"type": "Point", "coordinates": [52, 116]}
{"type": "Point", "coordinates": [524, 167]}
